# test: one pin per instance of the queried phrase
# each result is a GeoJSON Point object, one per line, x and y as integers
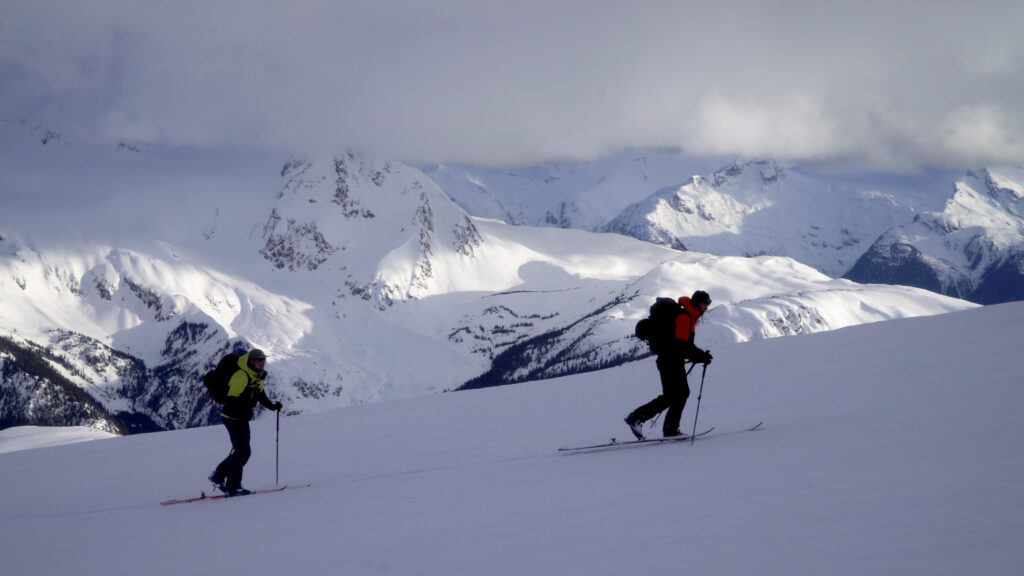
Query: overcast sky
{"type": "Point", "coordinates": [897, 84]}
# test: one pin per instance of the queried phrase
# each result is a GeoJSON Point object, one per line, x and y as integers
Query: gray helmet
{"type": "Point", "coordinates": [257, 354]}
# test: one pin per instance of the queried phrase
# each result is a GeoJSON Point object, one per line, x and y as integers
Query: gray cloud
{"type": "Point", "coordinates": [894, 84]}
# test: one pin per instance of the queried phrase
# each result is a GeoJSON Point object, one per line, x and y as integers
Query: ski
{"type": "Point", "coordinates": [616, 443]}
{"type": "Point", "coordinates": [204, 496]}
{"type": "Point", "coordinates": [705, 434]}
{"type": "Point", "coordinates": [740, 431]}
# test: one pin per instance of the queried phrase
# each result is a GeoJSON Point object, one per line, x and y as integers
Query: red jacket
{"type": "Point", "coordinates": [686, 323]}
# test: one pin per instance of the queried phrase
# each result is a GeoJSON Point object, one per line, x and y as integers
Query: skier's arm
{"type": "Point", "coordinates": [694, 354]}
{"type": "Point", "coordinates": [266, 402]}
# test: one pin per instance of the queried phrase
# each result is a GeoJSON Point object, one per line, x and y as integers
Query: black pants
{"type": "Point", "coordinates": [674, 392]}
{"type": "Point", "coordinates": [230, 469]}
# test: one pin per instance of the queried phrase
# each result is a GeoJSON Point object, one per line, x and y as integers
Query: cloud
{"type": "Point", "coordinates": [896, 84]}
{"type": "Point", "coordinates": [983, 133]}
{"type": "Point", "coordinates": [795, 127]}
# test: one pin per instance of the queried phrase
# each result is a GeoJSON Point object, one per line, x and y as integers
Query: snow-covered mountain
{"type": "Point", "coordinates": [972, 248]}
{"type": "Point", "coordinates": [583, 195]}
{"type": "Point", "coordinates": [129, 271]}
{"type": "Point", "coordinates": [759, 208]}
{"type": "Point", "coordinates": [957, 233]}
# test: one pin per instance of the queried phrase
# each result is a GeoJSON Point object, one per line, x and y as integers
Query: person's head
{"type": "Point", "coordinates": [257, 359]}
{"type": "Point", "coordinates": [701, 300]}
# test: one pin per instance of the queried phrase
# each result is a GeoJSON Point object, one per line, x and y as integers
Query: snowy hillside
{"type": "Point", "coordinates": [360, 277]}
{"type": "Point", "coordinates": [890, 448]}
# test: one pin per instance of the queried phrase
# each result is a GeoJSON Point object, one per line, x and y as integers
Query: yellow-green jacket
{"type": "Point", "coordinates": [245, 389]}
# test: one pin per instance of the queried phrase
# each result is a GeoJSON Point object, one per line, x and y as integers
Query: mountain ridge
{"type": "Point", "coordinates": [841, 224]}
{"type": "Point", "coordinates": [361, 278]}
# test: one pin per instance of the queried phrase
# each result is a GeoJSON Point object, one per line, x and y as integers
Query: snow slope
{"type": "Point", "coordinates": [888, 448]}
{"type": "Point", "coordinates": [29, 437]}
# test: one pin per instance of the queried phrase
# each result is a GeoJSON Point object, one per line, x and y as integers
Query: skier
{"type": "Point", "coordinates": [671, 367]}
{"type": "Point", "coordinates": [244, 391]}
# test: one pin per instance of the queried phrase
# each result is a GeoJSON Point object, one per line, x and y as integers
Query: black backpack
{"type": "Point", "coordinates": [218, 379]}
{"type": "Point", "coordinates": [659, 329]}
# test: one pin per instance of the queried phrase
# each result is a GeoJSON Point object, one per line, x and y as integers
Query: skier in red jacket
{"type": "Point", "coordinates": [671, 367]}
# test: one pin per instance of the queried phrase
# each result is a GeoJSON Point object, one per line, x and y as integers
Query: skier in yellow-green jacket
{"type": "Point", "coordinates": [244, 391]}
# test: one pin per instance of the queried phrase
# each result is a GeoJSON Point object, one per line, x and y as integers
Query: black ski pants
{"type": "Point", "coordinates": [674, 392]}
{"type": "Point", "coordinates": [230, 469]}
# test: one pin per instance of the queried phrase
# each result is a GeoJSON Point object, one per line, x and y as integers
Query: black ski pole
{"type": "Point", "coordinates": [699, 394]}
{"type": "Point", "coordinates": [277, 448]}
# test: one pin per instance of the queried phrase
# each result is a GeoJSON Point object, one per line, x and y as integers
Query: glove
{"type": "Point", "coordinates": [707, 357]}
{"type": "Point", "coordinates": [277, 407]}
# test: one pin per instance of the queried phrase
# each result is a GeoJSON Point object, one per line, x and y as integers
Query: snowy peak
{"type": "Point", "coordinates": [383, 225]}
{"type": "Point", "coordinates": [567, 195]}
{"type": "Point", "coordinates": [746, 176]}
{"type": "Point", "coordinates": [761, 208]}
{"type": "Point", "coordinates": [973, 248]}
{"type": "Point", "coordinates": [991, 200]}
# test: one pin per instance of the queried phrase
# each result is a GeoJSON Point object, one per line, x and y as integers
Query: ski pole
{"type": "Point", "coordinates": [277, 448]}
{"type": "Point", "coordinates": [699, 394]}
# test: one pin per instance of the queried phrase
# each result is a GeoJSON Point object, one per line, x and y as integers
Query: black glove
{"type": "Point", "coordinates": [276, 407]}
{"type": "Point", "coordinates": [707, 357]}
